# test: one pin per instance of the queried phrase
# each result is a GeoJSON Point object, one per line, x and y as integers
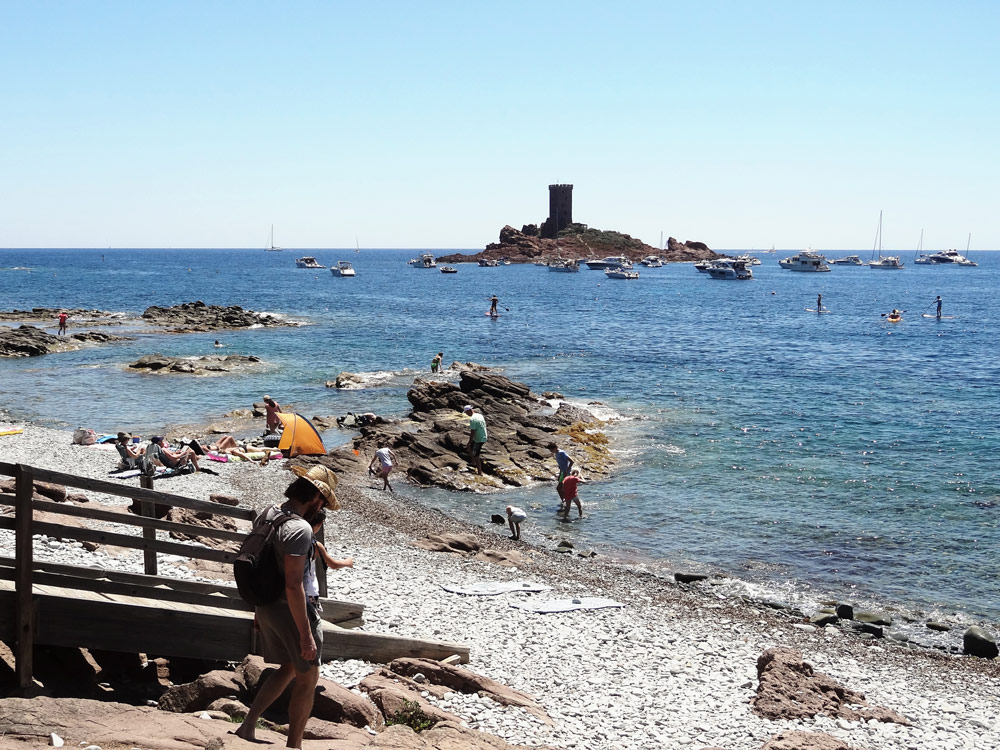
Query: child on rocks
{"type": "Point", "coordinates": [515, 516]}
{"type": "Point", "coordinates": [569, 485]}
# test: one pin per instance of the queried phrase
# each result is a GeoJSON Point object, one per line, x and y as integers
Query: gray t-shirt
{"type": "Point", "coordinates": [294, 537]}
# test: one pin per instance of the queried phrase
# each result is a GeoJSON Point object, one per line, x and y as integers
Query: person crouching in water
{"type": "Point", "coordinates": [569, 485]}
{"type": "Point", "coordinates": [386, 458]}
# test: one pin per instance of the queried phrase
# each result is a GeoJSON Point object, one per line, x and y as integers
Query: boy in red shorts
{"type": "Point", "coordinates": [569, 496]}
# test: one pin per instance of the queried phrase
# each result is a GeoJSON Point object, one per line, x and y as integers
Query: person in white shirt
{"type": "Point", "coordinates": [386, 458]}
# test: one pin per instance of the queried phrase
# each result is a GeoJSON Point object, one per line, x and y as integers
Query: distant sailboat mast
{"type": "Point", "coordinates": [878, 238]}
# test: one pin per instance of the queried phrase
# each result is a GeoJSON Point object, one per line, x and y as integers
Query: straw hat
{"type": "Point", "coordinates": [323, 480]}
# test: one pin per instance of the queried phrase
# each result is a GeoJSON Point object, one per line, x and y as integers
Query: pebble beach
{"type": "Point", "coordinates": [674, 667]}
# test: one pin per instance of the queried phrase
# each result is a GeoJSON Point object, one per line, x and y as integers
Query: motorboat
{"type": "Point", "coordinates": [730, 269]}
{"type": "Point", "coordinates": [621, 273]}
{"type": "Point", "coordinates": [702, 266]}
{"type": "Point", "coordinates": [612, 261]}
{"type": "Point", "coordinates": [946, 258]}
{"type": "Point", "coordinates": [652, 261]}
{"type": "Point", "coordinates": [307, 261]}
{"type": "Point", "coordinates": [564, 266]}
{"type": "Point", "coordinates": [848, 260]}
{"type": "Point", "coordinates": [807, 260]}
{"type": "Point", "coordinates": [343, 268]}
{"type": "Point", "coordinates": [887, 263]}
{"type": "Point", "coordinates": [748, 259]}
{"type": "Point", "coordinates": [924, 260]}
{"type": "Point", "coordinates": [449, 269]}
{"type": "Point", "coordinates": [489, 263]}
{"type": "Point", "coordinates": [426, 260]}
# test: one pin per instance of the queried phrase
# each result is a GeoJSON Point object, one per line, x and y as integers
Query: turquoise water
{"type": "Point", "coordinates": [846, 455]}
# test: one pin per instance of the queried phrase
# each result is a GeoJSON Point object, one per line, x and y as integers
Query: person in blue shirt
{"type": "Point", "coordinates": [565, 464]}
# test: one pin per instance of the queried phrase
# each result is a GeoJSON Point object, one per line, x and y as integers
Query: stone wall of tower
{"type": "Point", "coordinates": [560, 210]}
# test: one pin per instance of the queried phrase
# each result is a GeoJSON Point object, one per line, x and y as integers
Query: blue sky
{"type": "Point", "coordinates": [740, 124]}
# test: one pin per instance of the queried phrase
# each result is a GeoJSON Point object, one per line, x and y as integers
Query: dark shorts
{"type": "Point", "coordinates": [476, 449]}
{"type": "Point", "coordinates": [279, 637]}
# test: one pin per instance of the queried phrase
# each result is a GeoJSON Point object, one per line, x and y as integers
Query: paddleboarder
{"type": "Point", "coordinates": [819, 303]}
{"type": "Point", "coordinates": [938, 303]}
{"type": "Point", "coordinates": [493, 306]}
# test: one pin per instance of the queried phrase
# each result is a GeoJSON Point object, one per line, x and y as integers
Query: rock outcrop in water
{"type": "Point", "coordinates": [207, 365]}
{"type": "Point", "coordinates": [431, 445]}
{"type": "Point", "coordinates": [578, 241]}
{"type": "Point", "coordinates": [28, 341]}
{"type": "Point", "coordinates": [189, 317]}
{"type": "Point", "coordinates": [50, 315]}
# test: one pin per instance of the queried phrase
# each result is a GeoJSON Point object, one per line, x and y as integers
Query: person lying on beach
{"type": "Point", "coordinates": [228, 445]}
{"type": "Point", "coordinates": [386, 458]}
{"type": "Point", "coordinates": [311, 581]}
{"type": "Point", "coordinates": [569, 485]}
{"type": "Point", "coordinates": [160, 453]}
{"type": "Point", "coordinates": [515, 517]}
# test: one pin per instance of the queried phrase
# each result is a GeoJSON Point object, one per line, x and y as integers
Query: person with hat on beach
{"type": "Point", "coordinates": [271, 409]}
{"type": "Point", "coordinates": [291, 631]}
{"type": "Point", "coordinates": [477, 437]}
{"type": "Point", "coordinates": [159, 452]}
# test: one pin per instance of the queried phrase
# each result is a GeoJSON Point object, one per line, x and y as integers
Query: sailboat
{"type": "Point", "coordinates": [889, 262]}
{"type": "Point", "coordinates": [965, 262]}
{"type": "Point", "coordinates": [919, 258]}
{"type": "Point", "coordinates": [271, 248]}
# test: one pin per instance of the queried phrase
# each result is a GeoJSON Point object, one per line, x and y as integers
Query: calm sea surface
{"type": "Point", "coordinates": [837, 455]}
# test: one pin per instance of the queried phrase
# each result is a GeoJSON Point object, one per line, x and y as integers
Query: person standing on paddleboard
{"type": "Point", "coordinates": [938, 302]}
{"type": "Point", "coordinates": [493, 306]}
{"type": "Point", "coordinates": [819, 303]}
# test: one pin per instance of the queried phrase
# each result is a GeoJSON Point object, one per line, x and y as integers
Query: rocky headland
{"type": "Point", "coordinates": [430, 442]}
{"type": "Point", "coordinates": [578, 241]}
{"type": "Point", "coordinates": [29, 341]}
{"type": "Point", "coordinates": [190, 317]}
{"type": "Point", "coordinates": [207, 365]}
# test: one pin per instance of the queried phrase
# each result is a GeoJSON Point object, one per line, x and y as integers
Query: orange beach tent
{"type": "Point", "coordinates": [299, 437]}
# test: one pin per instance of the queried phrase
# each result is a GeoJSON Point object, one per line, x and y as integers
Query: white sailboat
{"type": "Point", "coordinates": [271, 248]}
{"type": "Point", "coordinates": [965, 262]}
{"type": "Point", "coordinates": [889, 262]}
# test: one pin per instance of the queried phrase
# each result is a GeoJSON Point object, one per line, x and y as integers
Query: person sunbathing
{"type": "Point", "coordinates": [160, 453]}
{"type": "Point", "coordinates": [229, 445]}
{"type": "Point", "coordinates": [131, 456]}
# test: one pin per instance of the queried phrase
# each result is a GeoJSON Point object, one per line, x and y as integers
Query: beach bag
{"type": "Point", "coordinates": [84, 436]}
{"type": "Point", "coordinates": [258, 577]}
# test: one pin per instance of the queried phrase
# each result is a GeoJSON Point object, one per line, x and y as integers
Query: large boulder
{"type": "Point", "coordinates": [977, 642]}
{"type": "Point", "coordinates": [26, 341]}
{"type": "Point", "coordinates": [798, 740]}
{"type": "Point", "coordinates": [789, 688]}
{"type": "Point", "coordinates": [198, 695]}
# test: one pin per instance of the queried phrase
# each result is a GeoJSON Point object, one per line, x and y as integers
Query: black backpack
{"type": "Point", "coordinates": [258, 577]}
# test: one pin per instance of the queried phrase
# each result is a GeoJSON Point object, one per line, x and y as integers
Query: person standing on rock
{"type": "Point", "coordinates": [436, 362]}
{"type": "Point", "coordinates": [291, 631]}
{"type": "Point", "coordinates": [62, 322]}
{"type": "Point", "coordinates": [386, 459]}
{"type": "Point", "coordinates": [565, 464]}
{"type": "Point", "coordinates": [477, 437]}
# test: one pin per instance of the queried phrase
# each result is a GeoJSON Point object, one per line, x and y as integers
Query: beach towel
{"type": "Point", "coordinates": [221, 457]}
{"type": "Point", "coordinates": [10, 432]}
{"type": "Point", "coordinates": [492, 588]}
{"type": "Point", "coordinates": [129, 473]}
{"type": "Point", "coordinates": [566, 605]}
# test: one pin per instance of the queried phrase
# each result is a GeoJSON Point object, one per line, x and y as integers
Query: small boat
{"type": "Point", "coordinates": [489, 263]}
{"type": "Point", "coordinates": [652, 261]}
{"type": "Point", "coordinates": [426, 260]}
{"type": "Point", "coordinates": [807, 260]}
{"type": "Point", "coordinates": [748, 259]}
{"type": "Point", "coordinates": [343, 268]}
{"type": "Point", "coordinates": [730, 269]}
{"type": "Point", "coordinates": [307, 261]}
{"type": "Point", "coordinates": [612, 261]}
{"type": "Point", "coordinates": [920, 258]}
{"type": "Point", "coordinates": [848, 260]}
{"type": "Point", "coordinates": [621, 273]}
{"type": "Point", "coordinates": [271, 247]}
{"type": "Point", "coordinates": [564, 266]}
{"type": "Point", "coordinates": [894, 318]}
{"type": "Point", "coordinates": [449, 269]}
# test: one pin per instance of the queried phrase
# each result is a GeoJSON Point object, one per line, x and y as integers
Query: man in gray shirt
{"type": "Point", "coordinates": [291, 632]}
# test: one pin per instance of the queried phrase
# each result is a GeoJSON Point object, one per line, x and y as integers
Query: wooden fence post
{"type": "Point", "coordinates": [146, 509]}
{"type": "Point", "coordinates": [23, 563]}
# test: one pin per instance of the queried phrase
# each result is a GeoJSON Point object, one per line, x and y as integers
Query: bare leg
{"type": "Point", "coordinates": [300, 705]}
{"type": "Point", "coordinates": [385, 480]}
{"type": "Point", "coordinates": [268, 693]}
{"type": "Point", "coordinates": [579, 507]}
{"type": "Point", "coordinates": [513, 532]}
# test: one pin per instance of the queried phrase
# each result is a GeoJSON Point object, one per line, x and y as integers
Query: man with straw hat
{"type": "Point", "coordinates": [291, 632]}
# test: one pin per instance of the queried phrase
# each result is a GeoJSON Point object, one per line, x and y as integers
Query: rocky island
{"type": "Point", "coordinates": [190, 317]}
{"type": "Point", "coordinates": [206, 365]}
{"type": "Point", "coordinates": [29, 341]}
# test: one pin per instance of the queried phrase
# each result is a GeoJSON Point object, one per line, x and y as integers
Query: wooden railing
{"type": "Point", "coordinates": [25, 571]}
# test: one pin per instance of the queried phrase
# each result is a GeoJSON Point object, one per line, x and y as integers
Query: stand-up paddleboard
{"type": "Point", "coordinates": [940, 317]}
{"type": "Point", "coordinates": [813, 309]}
{"type": "Point", "coordinates": [488, 314]}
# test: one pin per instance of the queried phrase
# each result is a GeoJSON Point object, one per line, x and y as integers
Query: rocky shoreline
{"type": "Point", "coordinates": [678, 665]}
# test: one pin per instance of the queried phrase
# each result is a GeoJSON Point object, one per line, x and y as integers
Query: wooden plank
{"type": "Point", "coordinates": [23, 529]}
{"type": "Point", "coordinates": [124, 540]}
{"type": "Point", "coordinates": [135, 493]}
{"type": "Point", "coordinates": [339, 643]}
{"type": "Point", "coordinates": [146, 509]}
{"type": "Point", "coordinates": [136, 585]}
{"type": "Point", "coordinates": [98, 514]}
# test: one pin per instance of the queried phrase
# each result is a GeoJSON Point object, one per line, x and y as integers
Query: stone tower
{"type": "Point", "coordinates": [560, 210]}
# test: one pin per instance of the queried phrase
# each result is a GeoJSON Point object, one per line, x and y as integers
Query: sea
{"type": "Point", "coordinates": [810, 456]}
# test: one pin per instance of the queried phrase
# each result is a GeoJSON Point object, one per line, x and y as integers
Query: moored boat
{"type": "Point", "coordinates": [307, 261]}
{"type": "Point", "coordinates": [426, 260]}
{"type": "Point", "coordinates": [621, 273]}
{"type": "Point", "coordinates": [652, 261]}
{"type": "Point", "coordinates": [848, 260]}
{"type": "Point", "coordinates": [611, 261]}
{"type": "Point", "coordinates": [732, 269]}
{"type": "Point", "coordinates": [807, 260]}
{"type": "Point", "coordinates": [449, 269]}
{"type": "Point", "coordinates": [564, 266]}
{"type": "Point", "coordinates": [887, 263]}
{"type": "Point", "coordinates": [343, 268]}
{"type": "Point", "coordinates": [489, 263]}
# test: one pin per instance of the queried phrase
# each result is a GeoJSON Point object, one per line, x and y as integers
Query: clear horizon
{"type": "Point", "coordinates": [431, 127]}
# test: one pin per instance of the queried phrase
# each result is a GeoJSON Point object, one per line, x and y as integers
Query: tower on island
{"type": "Point", "coordinates": [560, 210]}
